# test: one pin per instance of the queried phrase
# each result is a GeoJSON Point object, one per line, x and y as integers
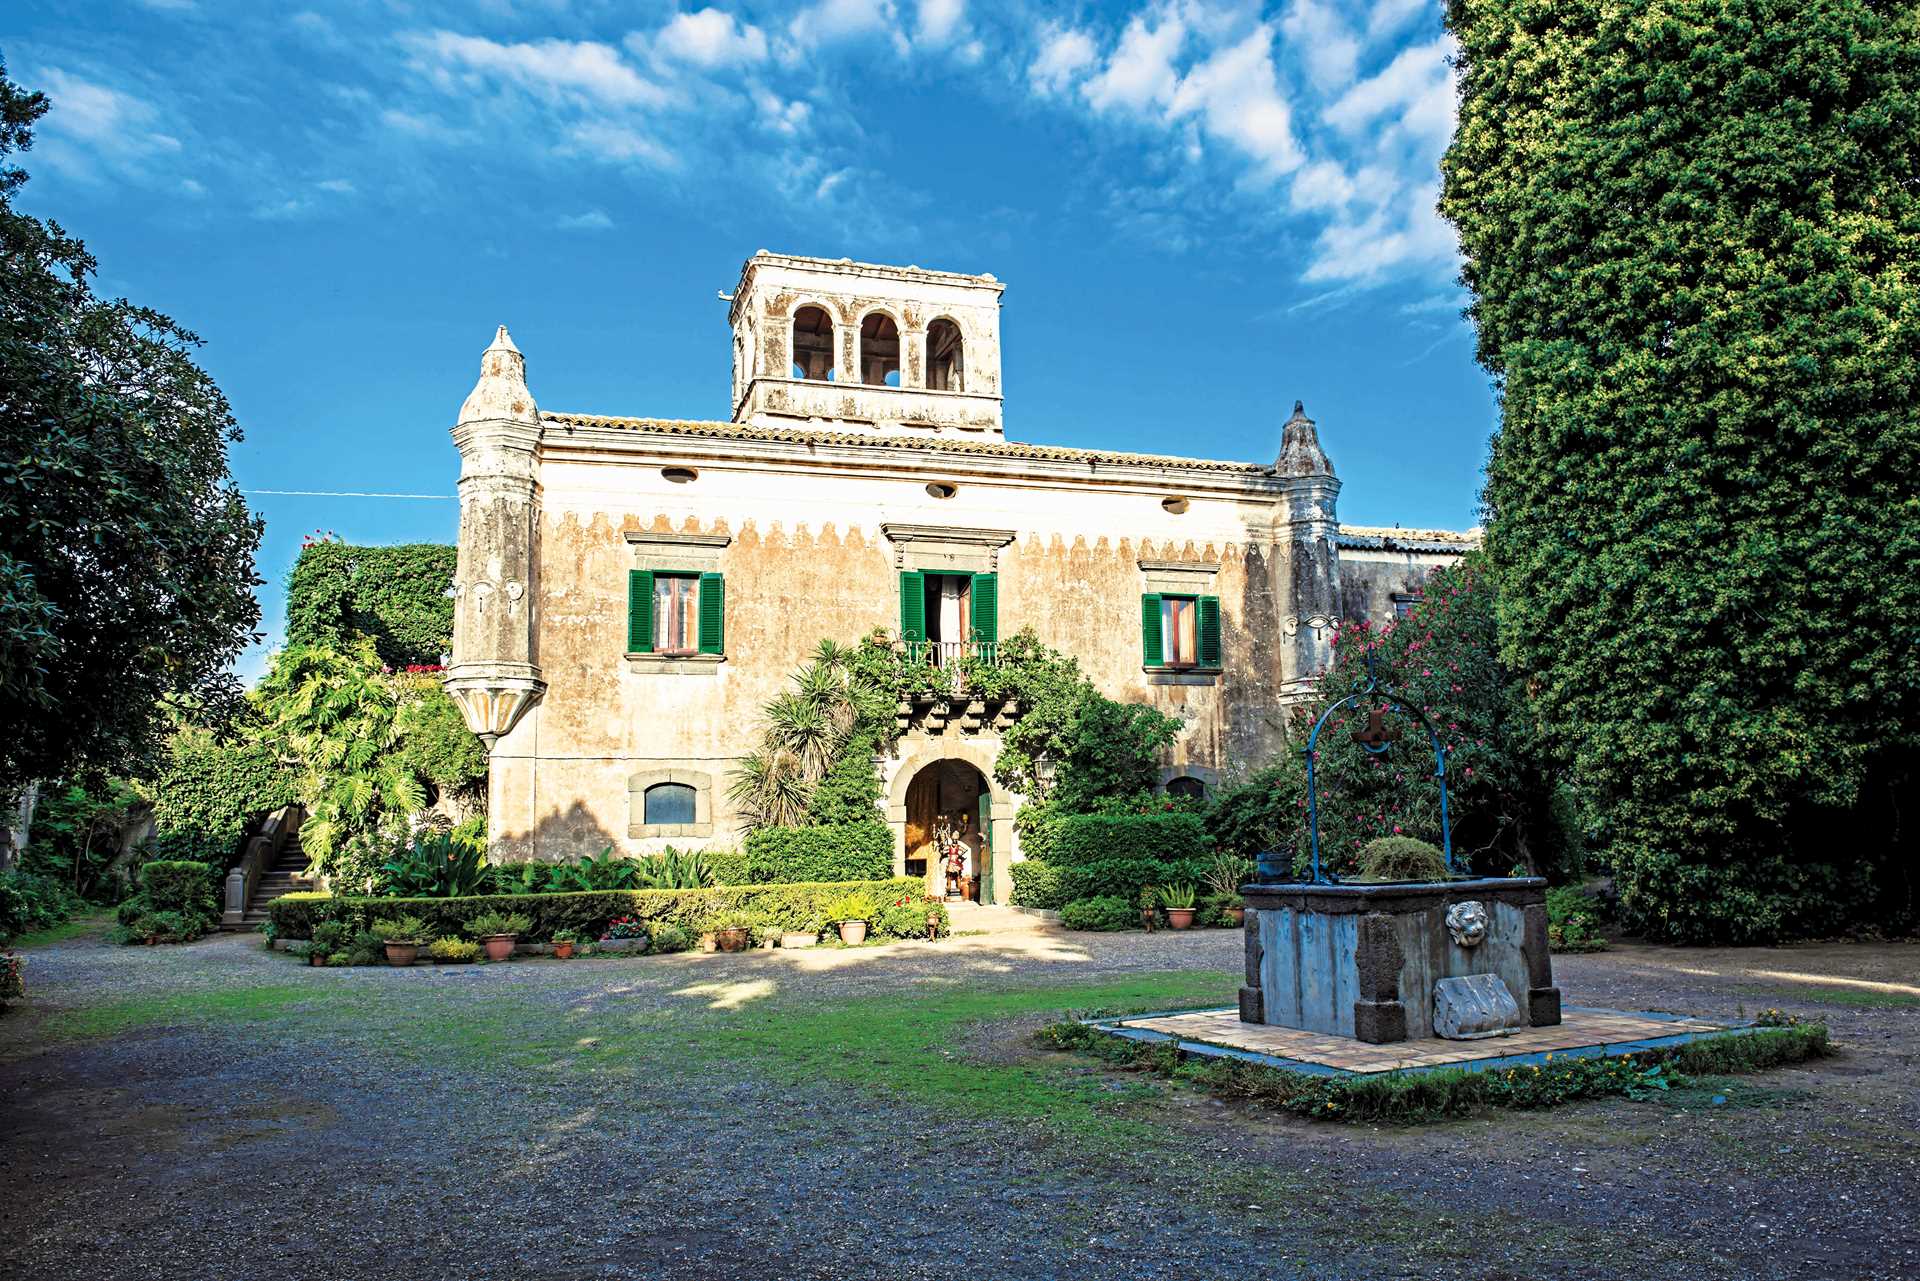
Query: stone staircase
{"type": "Point", "coordinates": [284, 877]}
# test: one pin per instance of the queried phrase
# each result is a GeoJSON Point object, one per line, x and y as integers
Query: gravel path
{"type": "Point", "coordinates": [216, 1110]}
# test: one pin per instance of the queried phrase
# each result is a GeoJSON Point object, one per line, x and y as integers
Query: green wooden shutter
{"type": "Point", "coordinates": [1150, 630]}
{"type": "Point", "coordinates": [986, 608]}
{"type": "Point", "coordinates": [713, 614]}
{"type": "Point", "coordinates": [913, 605]}
{"type": "Point", "coordinates": [1209, 631]}
{"type": "Point", "coordinates": [640, 611]}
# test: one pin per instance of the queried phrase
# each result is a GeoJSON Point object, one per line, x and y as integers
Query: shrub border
{"type": "Point", "coordinates": [1412, 1097]}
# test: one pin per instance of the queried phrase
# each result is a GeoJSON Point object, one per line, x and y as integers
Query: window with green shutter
{"type": "Point", "coordinates": [986, 608]}
{"type": "Point", "coordinates": [1209, 631]}
{"type": "Point", "coordinates": [913, 605]}
{"type": "Point", "coordinates": [640, 611]}
{"type": "Point", "coordinates": [713, 614]}
{"type": "Point", "coordinates": [1152, 652]}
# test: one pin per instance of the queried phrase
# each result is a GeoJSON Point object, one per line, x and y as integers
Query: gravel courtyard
{"type": "Point", "coordinates": [217, 1110]}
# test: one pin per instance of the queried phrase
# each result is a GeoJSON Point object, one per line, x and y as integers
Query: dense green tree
{"type": "Point", "coordinates": [397, 594]}
{"type": "Point", "coordinates": [126, 552]}
{"type": "Point", "coordinates": [1692, 232]}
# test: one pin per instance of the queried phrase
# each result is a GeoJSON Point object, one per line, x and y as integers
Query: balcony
{"type": "Point", "coordinates": [938, 653]}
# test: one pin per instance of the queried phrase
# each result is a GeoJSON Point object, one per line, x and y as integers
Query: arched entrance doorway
{"type": "Point", "coordinates": [950, 810]}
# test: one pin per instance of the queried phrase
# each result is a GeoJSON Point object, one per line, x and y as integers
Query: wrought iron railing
{"type": "Point", "coordinates": [952, 653]}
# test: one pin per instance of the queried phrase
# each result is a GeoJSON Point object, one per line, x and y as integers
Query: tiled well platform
{"type": "Point", "coordinates": [1584, 1032]}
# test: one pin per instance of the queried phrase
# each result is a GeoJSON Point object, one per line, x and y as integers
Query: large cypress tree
{"type": "Point", "coordinates": [1692, 231]}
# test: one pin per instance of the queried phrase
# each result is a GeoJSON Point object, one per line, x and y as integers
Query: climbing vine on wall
{"type": "Point", "coordinates": [397, 595]}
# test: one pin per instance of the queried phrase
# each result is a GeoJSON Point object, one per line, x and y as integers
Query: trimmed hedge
{"type": "Point", "coordinates": [729, 866]}
{"type": "Point", "coordinates": [1082, 839]}
{"type": "Point", "coordinates": [834, 852]}
{"type": "Point", "coordinates": [1103, 912]}
{"type": "Point", "coordinates": [799, 907]}
{"type": "Point", "coordinates": [178, 901]}
{"type": "Point", "coordinates": [1119, 855]}
{"type": "Point", "coordinates": [1037, 884]}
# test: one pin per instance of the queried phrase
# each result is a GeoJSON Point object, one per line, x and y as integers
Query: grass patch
{"type": "Point", "coordinates": [1855, 996]}
{"type": "Point", "coordinates": [1414, 1097]}
{"type": "Point", "coordinates": [226, 1005]}
{"type": "Point", "coordinates": [67, 929]}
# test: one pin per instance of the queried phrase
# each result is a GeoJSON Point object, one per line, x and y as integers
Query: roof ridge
{"type": "Point", "coordinates": [935, 444]}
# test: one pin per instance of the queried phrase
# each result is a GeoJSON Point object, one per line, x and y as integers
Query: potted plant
{"type": "Point", "coordinates": [1149, 900]}
{"type": "Point", "coordinates": [732, 931]}
{"type": "Point", "coordinates": [564, 941]}
{"type": "Point", "coordinates": [851, 912]}
{"type": "Point", "coordinates": [401, 935]}
{"type": "Point", "coordinates": [498, 931]}
{"type": "Point", "coordinates": [1178, 900]}
{"type": "Point", "coordinates": [1224, 878]}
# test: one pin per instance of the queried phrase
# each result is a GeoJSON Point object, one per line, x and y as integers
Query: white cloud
{"type": "Point", "coordinates": [99, 134]}
{"type": "Point", "coordinates": [337, 186]}
{"type": "Point", "coordinates": [779, 115]}
{"type": "Point", "coordinates": [828, 21]}
{"type": "Point", "coordinates": [1324, 184]}
{"type": "Point", "coordinates": [1413, 77]}
{"type": "Point", "coordinates": [710, 38]}
{"type": "Point", "coordinates": [1323, 41]}
{"type": "Point", "coordinates": [1065, 55]}
{"type": "Point", "coordinates": [555, 70]}
{"type": "Point", "coordinates": [1140, 73]}
{"type": "Point", "coordinates": [1237, 95]}
{"type": "Point", "coordinates": [1406, 232]}
{"type": "Point", "coordinates": [616, 144]}
{"type": "Point", "coordinates": [939, 19]}
{"type": "Point", "coordinates": [591, 220]}
{"type": "Point", "coordinates": [1388, 16]}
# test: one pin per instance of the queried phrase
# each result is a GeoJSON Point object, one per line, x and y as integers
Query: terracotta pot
{"type": "Point", "coordinates": [734, 939]}
{"type": "Point", "coordinates": [1235, 915]}
{"type": "Point", "coordinates": [316, 958]}
{"type": "Point", "coordinates": [399, 953]}
{"type": "Point", "coordinates": [1179, 918]}
{"type": "Point", "coordinates": [853, 931]}
{"type": "Point", "coordinates": [499, 946]}
{"type": "Point", "coordinates": [562, 949]}
{"type": "Point", "coordinates": [1146, 918]}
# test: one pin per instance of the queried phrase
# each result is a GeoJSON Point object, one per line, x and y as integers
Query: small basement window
{"type": "Point", "coordinates": [667, 803]}
{"type": "Point", "coordinates": [1187, 787]}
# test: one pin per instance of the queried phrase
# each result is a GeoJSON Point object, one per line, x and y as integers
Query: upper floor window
{"type": "Point", "coordinates": [946, 367]}
{"type": "Point", "coordinates": [1180, 631]}
{"type": "Point", "coordinates": [880, 351]}
{"type": "Point", "coordinates": [947, 617]}
{"type": "Point", "coordinates": [813, 344]}
{"type": "Point", "coordinates": [675, 614]}
{"type": "Point", "coordinates": [1405, 603]}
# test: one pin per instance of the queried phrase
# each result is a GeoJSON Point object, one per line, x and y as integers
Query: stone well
{"type": "Point", "coordinates": [1361, 960]}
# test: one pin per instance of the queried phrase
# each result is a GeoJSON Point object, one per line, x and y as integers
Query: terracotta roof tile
{"type": "Point", "coordinates": [942, 444]}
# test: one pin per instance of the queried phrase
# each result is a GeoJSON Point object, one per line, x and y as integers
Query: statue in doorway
{"type": "Point", "coordinates": [948, 841]}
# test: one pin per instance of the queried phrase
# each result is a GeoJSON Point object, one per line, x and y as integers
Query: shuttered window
{"type": "Point", "coordinates": [913, 605]}
{"type": "Point", "coordinates": [675, 614]}
{"type": "Point", "coordinates": [1180, 631]}
{"type": "Point", "coordinates": [986, 608]}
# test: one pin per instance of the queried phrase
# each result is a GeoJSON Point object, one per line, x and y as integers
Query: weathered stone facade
{"type": "Point", "coordinates": [798, 519]}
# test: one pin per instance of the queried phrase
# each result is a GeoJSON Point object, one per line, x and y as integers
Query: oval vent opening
{"type": "Point", "coordinates": [941, 489]}
{"type": "Point", "coordinates": [1178, 506]}
{"type": "Point", "coordinates": [679, 475]}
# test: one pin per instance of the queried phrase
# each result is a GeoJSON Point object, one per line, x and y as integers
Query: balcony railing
{"type": "Point", "coordinates": [952, 653]}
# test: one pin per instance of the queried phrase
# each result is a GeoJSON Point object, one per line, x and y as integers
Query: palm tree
{"type": "Point", "coordinates": [806, 730]}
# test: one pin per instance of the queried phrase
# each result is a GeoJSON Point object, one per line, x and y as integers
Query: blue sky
{"type": "Point", "coordinates": [1202, 212]}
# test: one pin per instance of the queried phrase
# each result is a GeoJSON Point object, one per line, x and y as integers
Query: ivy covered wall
{"type": "Point", "coordinates": [397, 595]}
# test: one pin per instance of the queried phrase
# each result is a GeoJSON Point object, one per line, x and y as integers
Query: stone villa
{"type": "Point", "coordinates": [632, 591]}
